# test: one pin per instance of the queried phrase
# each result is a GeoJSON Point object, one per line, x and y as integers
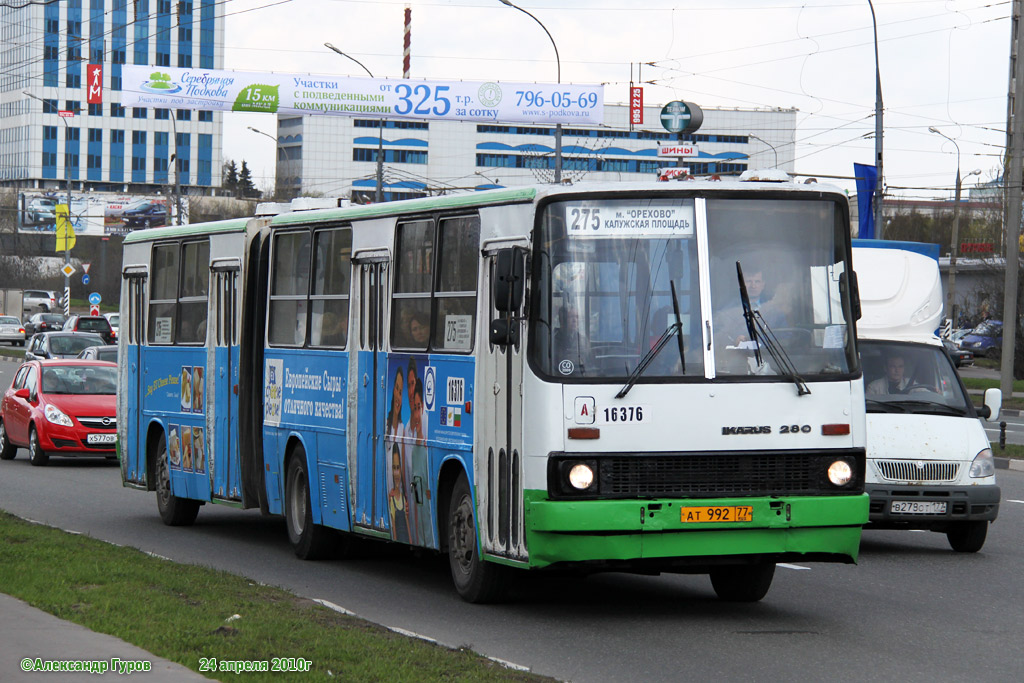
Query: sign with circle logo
{"type": "Point", "coordinates": [95, 298]}
{"type": "Point", "coordinates": [681, 117]}
{"type": "Point", "coordinates": [429, 387]}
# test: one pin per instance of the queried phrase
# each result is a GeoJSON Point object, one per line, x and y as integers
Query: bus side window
{"type": "Point", "coordinates": [289, 289]}
{"type": "Point", "coordinates": [332, 266]}
{"type": "Point", "coordinates": [455, 312]}
{"type": "Point", "coordinates": [163, 297]}
{"type": "Point", "coordinates": [414, 269]}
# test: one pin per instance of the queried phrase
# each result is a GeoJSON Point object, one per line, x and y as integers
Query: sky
{"type": "Point", "coordinates": [943, 64]}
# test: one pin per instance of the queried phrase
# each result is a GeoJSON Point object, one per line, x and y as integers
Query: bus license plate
{"type": "Point", "coordinates": [917, 507]}
{"type": "Point", "coordinates": [101, 438]}
{"type": "Point", "coordinates": [717, 513]}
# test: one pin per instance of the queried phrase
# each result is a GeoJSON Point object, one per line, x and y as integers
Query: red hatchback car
{"type": "Point", "coordinates": [60, 407]}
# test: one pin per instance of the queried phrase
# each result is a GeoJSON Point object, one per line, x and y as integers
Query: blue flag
{"type": "Point", "coordinates": [867, 178]}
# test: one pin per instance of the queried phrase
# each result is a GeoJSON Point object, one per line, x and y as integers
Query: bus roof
{"type": "Point", "coordinates": [231, 225]}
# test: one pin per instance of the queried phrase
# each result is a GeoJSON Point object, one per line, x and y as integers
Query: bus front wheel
{"type": "Point", "coordinates": [174, 511]}
{"type": "Point", "coordinates": [744, 582]}
{"type": "Point", "coordinates": [475, 580]}
{"type": "Point", "coordinates": [310, 541]}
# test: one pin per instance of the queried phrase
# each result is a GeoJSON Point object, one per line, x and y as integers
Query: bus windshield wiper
{"type": "Point", "coordinates": [675, 328]}
{"type": "Point", "coordinates": [748, 314]}
{"type": "Point", "coordinates": [761, 333]}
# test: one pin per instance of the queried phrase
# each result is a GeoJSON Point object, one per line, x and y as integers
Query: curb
{"type": "Point", "coordinates": [1009, 464]}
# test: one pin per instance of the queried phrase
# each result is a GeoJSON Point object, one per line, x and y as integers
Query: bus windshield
{"type": "Point", "coordinates": [612, 275]}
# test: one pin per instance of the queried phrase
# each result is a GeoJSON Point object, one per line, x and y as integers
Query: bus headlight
{"type": "Point", "coordinates": [983, 465]}
{"type": "Point", "coordinates": [581, 476]}
{"type": "Point", "coordinates": [840, 473]}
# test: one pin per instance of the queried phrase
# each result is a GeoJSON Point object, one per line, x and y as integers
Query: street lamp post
{"type": "Point", "coordinates": [955, 246]}
{"type": "Point", "coordinates": [878, 130]}
{"type": "Point", "coordinates": [751, 135]}
{"type": "Point", "coordinates": [380, 130]}
{"type": "Point", "coordinates": [177, 162]}
{"type": "Point", "coordinates": [67, 181]}
{"type": "Point", "coordinates": [277, 155]}
{"type": "Point", "coordinates": [558, 62]}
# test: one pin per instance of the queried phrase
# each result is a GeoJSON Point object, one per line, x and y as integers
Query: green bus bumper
{"type": "Point", "coordinates": [825, 528]}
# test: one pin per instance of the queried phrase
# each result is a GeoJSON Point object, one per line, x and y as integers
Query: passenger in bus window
{"type": "Point", "coordinates": [398, 507]}
{"type": "Point", "coordinates": [419, 329]}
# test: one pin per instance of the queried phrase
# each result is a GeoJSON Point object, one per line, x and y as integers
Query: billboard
{"type": "Point", "coordinates": [490, 101]}
{"type": "Point", "coordinates": [96, 213]}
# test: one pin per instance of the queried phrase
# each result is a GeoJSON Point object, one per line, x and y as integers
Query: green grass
{"type": "Point", "coordinates": [1011, 451]}
{"type": "Point", "coordinates": [983, 383]}
{"type": "Point", "coordinates": [12, 351]}
{"type": "Point", "coordinates": [179, 612]}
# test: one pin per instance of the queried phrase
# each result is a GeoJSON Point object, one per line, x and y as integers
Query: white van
{"type": "Point", "coordinates": [929, 462]}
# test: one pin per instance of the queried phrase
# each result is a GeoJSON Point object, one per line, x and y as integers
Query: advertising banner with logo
{"type": "Point", "coordinates": [96, 213]}
{"type": "Point", "coordinates": [205, 89]}
{"type": "Point", "coordinates": [94, 77]}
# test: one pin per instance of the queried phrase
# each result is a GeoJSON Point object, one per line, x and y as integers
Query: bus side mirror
{"type": "Point", "coordinates": [504, 332]}
{"type": "Point", "coordinates": [849, 279]}
{"type": "Point", "coordinates": [509, 280]}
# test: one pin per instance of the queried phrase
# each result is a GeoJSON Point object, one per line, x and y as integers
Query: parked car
{"type": "Point", "coordinates": [91, 323]}
{"type": "Point", "coordinates": [11, 330]}
{"type": "Point", "coordinates": [39, 300]}
{"type": "Point", "coordinates": [115, 321]}
{"type": "Point", "coordinates": [107, 352]}
{"type": "Point", "coordinates": [147, 214]}
{"type": "Point", "coordinates": [960, 356]}
{"type": "Point", "coordinates": [985, 340]}
{"type": "Point", "coordinates": [60, 408]}
{"type": "Point", "coordinates": [44, 322]}
{"type": "Point", "coordinates": [60, 344]}
{"type": "Point", "coordinates": [41, 211]}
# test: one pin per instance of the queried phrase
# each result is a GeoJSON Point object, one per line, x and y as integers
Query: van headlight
{"type": "Point", "coordinates": [983, 465]}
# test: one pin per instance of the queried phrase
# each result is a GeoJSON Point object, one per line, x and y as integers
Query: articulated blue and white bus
{"type": "Point", "coordinates": [656, 377]}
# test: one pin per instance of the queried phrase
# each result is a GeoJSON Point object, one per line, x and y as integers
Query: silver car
{"type": "Point", "coordinates": [11, 330]}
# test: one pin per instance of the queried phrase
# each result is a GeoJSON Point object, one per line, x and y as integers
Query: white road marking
{"type": "Point", "coordinates": [1011, 500]}
{"type": "Point", "coordinates": [792, 566]}
{"type": "Point", "coordinates": [330, 605]}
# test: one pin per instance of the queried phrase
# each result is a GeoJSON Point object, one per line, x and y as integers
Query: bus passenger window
{"type": "Point", "coordinates": [457, 283]}
{"type": "Point", "coordinates": [332, 268]}
{"type": "Point", "coordinates": [289, 289]}
{"type": "Point", "coordinates": [414, 266]}
{"type": "Point", "coordinates": [164, 295]}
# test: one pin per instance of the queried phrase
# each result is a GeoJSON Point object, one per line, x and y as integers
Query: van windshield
{"type": "Point", "coordinates": [910, 377]}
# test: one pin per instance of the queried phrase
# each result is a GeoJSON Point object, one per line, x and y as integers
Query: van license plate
{"type": "Point", "coordinates": [717, 513]}
{"type": "Point", "coordinates": [916, 507]}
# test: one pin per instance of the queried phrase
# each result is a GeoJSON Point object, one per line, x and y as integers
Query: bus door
{"type": "Point", "coordinates": [369, 481]}
{"type": "Point", "coordinates": [133, 449]}
{"type": "Point", "coordinates": [501, 505]}
{"type": "Point", "coordinates": [223, 455]}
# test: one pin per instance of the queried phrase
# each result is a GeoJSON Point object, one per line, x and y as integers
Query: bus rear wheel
{"type": "Point", "coordinates": [310, 541]}
{"type": "Point", "coordinates": [744, 582]}
{"type": "Point", "coordinates": [174, 511]}
{"type": "Point", "coordinates": [475, 580]}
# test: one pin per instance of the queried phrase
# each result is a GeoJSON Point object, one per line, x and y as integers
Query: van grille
{"type": "Point", "coordinates": [918, 470]}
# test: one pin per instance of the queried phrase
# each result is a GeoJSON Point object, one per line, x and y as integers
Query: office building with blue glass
{"type": "Point", "coordinates": [50, 133]}
{"type": "Point", "coordinates": [337, 155]}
